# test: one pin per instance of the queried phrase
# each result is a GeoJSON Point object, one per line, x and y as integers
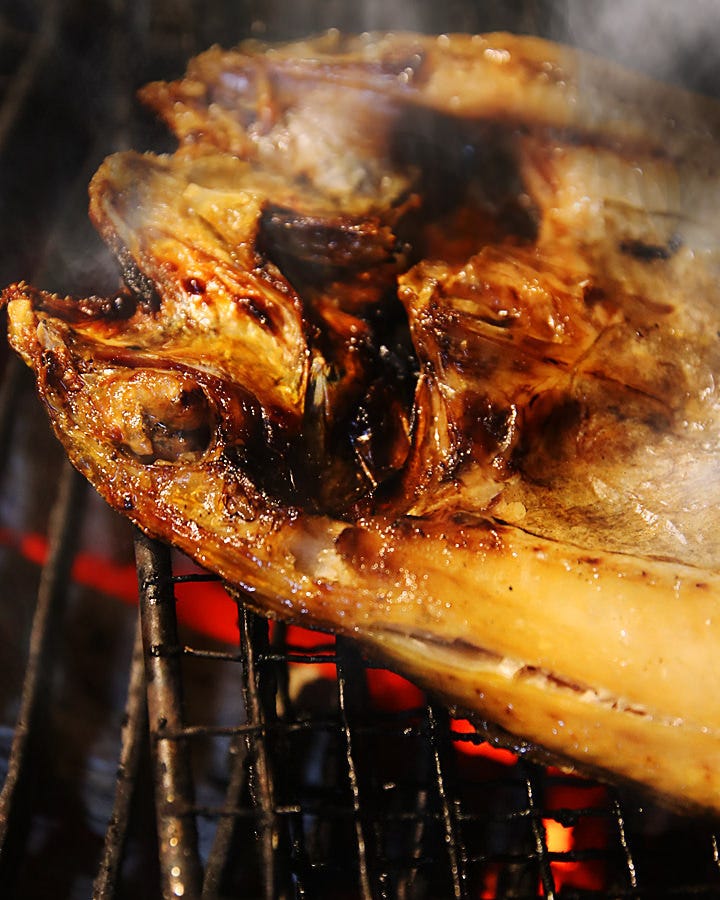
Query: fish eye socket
{"type": "Point", "coordinates": [176, 420]}
{"type": "Point", "coordinates": [173, 444]}
{"type": "Point", "coordinates": [156, 415]}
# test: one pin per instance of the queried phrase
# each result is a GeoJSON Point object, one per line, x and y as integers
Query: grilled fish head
{"type": "Point", "coordinates": [419, 342]}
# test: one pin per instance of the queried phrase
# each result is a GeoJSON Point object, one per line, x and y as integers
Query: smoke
{"type": "Point", "coordinates": [667, 39]}
{"type": "Point", "coordinates": [672, 40]}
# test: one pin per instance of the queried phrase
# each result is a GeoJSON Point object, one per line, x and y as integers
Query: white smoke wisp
{"type": "Point", "coordinates": [666, 39]}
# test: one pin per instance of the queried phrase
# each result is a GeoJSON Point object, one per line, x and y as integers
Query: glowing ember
{"type": "Point", "coordinates": [203, 607]}
{"type": "Point", "coordinates": [393, 693]}
{"type": "Point", "coordinates": [468, 742]}
{"type": "Point", "coordinates": [578, 830]}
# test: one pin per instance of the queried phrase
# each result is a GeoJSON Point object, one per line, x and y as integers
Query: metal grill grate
{"type": "Point", "coordinates": [274, 767]}
{"type": "Point", "coordinates": [384, 804]}
{"type": "Point", "coordinates": [329, 793]}
{"type": "Point", "coordinates": [388, 804]}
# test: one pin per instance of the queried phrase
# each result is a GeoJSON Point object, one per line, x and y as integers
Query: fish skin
{"type": "Point", "coordinates": [539, 546]}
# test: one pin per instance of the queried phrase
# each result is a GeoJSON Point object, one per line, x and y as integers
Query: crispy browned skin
{"type": "Point", "coordinates": [420, 343]}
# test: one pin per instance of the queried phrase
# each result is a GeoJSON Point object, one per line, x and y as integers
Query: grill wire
{"type": "Point", "coordinates": [290, 781]}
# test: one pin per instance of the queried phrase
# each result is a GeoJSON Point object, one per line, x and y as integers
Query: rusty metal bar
{"type": "Point", "coordinates": [181, 872]}
{"type": "Point", "coordinates": [455, 849]}
{"type": "Point", "coordinates": [625, 844]}
{"type": "Point", "coordinates": [344, 654]}
{"type": "Point", "coordinates": [223, 840]}
{"type": "Point", "coordinates": [532, 785]}
{"type": "Point", "coordinates": [134, 734]}
{"type": "Point", "coordinates": [253, 640]}
{"type": "Point", "coordinates": [16, 795]}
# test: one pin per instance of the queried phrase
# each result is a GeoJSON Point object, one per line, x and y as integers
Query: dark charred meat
{"type": "Point", "coordinates": [419, 342]}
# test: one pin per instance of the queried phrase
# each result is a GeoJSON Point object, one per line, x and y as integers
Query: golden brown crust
{"type": "Point", "coordinates": [428, 359]}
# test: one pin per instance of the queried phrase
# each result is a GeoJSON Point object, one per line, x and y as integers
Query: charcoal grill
{"type": "Point", "coordinates": [151, 760]}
